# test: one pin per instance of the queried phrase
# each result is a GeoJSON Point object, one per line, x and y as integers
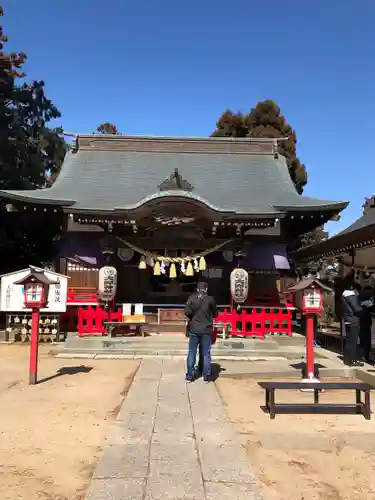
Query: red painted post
{"type": "Point", "coordinates": [310, 366]}
{"type": "Point", "coordinates": [33, 372]}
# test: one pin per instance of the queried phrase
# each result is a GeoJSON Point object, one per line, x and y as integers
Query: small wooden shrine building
{"type": "Point", "coordinates": [164, 211]}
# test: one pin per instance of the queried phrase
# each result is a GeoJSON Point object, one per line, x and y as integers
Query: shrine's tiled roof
{"type": "Point", "coordinates": [114, 174]}
{"type": "Point", "coordinates": [358, 235]}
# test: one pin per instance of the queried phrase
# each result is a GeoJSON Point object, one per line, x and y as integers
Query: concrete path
{"type": "Point", "coordinates": [172, 441]}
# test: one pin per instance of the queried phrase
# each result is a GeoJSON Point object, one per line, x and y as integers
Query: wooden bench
{"type": "Point", "coordinates": [110, 326]}
{"type": "Point", "coordinates": [223, 329]}
{"type": "Point", "coordinates": [359, 407]}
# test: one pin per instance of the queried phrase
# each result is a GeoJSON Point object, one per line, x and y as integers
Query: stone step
{"type": "Point", "coordinates": [221, 354]}
{"type": "Point", "coordinates": [284, 340]}
{"type": "Point", "coordinates": [215, 358]}
{"type": "Point", "coordinates": [162, 344]}
{"type": "Point", "coordinates": [169, 345]}
{"type": "Point", "coordinates": [216, 355]}
{"type": "Point", "coordinates": [218, 351]}
{"type": "Point", "coordinates": [170, 333]}
{"type": "Point", "coordinates": [177, 352]}
{"type": "Point", "coordinates": [165, 325]}
{"type": "Point", "coordinates": [276, 339]}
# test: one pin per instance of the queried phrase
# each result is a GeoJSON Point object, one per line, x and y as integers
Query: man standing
{"type": "Point", "coordinates": [366, 299]}
{"type": "Point", "coordinates": [200, 310]}
{"type": "Point", "coordinates": [351, 313]}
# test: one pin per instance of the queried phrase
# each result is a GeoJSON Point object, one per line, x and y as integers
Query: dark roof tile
{"type": "Point", "coordinates": [245, 183]}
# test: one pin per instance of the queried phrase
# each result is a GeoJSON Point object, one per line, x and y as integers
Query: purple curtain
{"type": "Point", "coordinates": [81, 250]}
{"type": "Point", "coordinates": [265, 254]}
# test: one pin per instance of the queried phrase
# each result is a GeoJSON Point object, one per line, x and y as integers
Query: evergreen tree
{"type": "Point", "coordinates": [10, 70]}
{"type": "Point", "coordinates": [265, 120]}
{"type": "Point", "coordinates": [107, 129]}
{"type": "Point", "coordinates": [28, 151]}
{"type": "Point", "coordinates": [28, 148]}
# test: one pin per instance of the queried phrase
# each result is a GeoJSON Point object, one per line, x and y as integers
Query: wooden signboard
{"type": "Point", "coordinates": [12, 296]}
{"type": "Point", "coordinates": [171, 316]}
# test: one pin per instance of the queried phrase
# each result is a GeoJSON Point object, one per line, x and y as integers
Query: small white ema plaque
{"type": "Point", "coordinates": [107, 283]}
{"type": "Point", "coordinates": [239, 285]}
{"type": "Point", "coordinates": [12, 296]}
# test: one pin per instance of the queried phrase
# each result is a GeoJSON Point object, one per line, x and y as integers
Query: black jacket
{"type": "Point", "coordinates": [366, 299]}
{"type": "Point", "coordinates": [350, 307]}
{"type": "Point", "coordinates": [200, 310]}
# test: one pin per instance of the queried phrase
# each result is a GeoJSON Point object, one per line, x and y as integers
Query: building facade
{"type": "Point", "coordinates": [164, 212]}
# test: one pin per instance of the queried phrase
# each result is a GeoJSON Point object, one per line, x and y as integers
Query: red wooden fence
{"type": "Point", "coordinates": [267, 313]}
{"type": "Point", "coordinates": [255, 322]}
{"type": "Point", "coordinates": [82, 295]}
{"type": "Point", "coordinates": [90, 320]}
{"type": "Point", "coordinates": [258, 321]}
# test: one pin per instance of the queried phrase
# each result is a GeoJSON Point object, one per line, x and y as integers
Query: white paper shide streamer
{"type": "Point", "coordinates": [107, 283]}
{"type": "Point", "coordinates": [239, 285]}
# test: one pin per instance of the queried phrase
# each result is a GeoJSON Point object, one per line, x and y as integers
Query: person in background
{"type": "Point", "coordinates": [200, 310]}
{"type": "Point", "coordinates": [366, 299]}
{"type": "Point", "coordinates": [316, 330]}
{"type": "Point", "coordinates": [351, 313]}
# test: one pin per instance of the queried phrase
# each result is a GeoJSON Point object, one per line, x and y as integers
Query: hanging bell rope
{"type": "Point", "coordinates": [157, 270]}
{"type": "Point", "coordinates": [179, 260]}
{"type": "Point", "coordinates": [202, 264]}
{"type": "Point", "coordinates": [189, 270]}
{"type": "Point", "coordinates": [142, 263]}
{"type": "Point", "coordinates": [172, 271]}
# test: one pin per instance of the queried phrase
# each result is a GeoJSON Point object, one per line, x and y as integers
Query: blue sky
{"type": "Point", "coordinates": [163, 67]}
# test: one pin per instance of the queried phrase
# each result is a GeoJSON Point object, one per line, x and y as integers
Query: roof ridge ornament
{"type": "Point", "coordinates": [74, 145]}
{"type": "Point", "coordinates": [175, 181]}
{"type": "Point", "coordinates": [368, 205]}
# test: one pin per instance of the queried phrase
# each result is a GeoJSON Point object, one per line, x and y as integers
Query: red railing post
{"type": "Point", "coordinates": [34, 341]}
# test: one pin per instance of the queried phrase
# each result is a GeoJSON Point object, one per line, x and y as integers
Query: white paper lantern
{"type": "Point", "coordinates": [239, 285]}
{"type": "Point", "coordinates": [107, 283]}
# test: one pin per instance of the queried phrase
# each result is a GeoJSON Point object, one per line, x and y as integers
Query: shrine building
{"type": "Point", "coordinates": [165, 212]}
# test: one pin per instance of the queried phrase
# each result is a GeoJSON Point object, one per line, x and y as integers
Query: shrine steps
{"type": "Point", "coordinates": [167, 328]}
{"type": "Point", "coordinates": [176, 345]}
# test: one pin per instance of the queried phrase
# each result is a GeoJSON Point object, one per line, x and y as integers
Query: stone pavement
{"type": "Point", "coordinates": [172, 441]}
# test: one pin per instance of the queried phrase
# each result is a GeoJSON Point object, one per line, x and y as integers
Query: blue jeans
{"type": "Point", "coordinates": [199, 367]}
{"type": "Point", "coordinates": [204, 342]}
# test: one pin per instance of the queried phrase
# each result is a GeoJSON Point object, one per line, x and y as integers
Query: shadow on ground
{"type": "Point", "coordinates": [301, 367]}
{"type": "Point", "coordinates": [67, 370]}
{"type": "Point", "coordinates": [216, 369]}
